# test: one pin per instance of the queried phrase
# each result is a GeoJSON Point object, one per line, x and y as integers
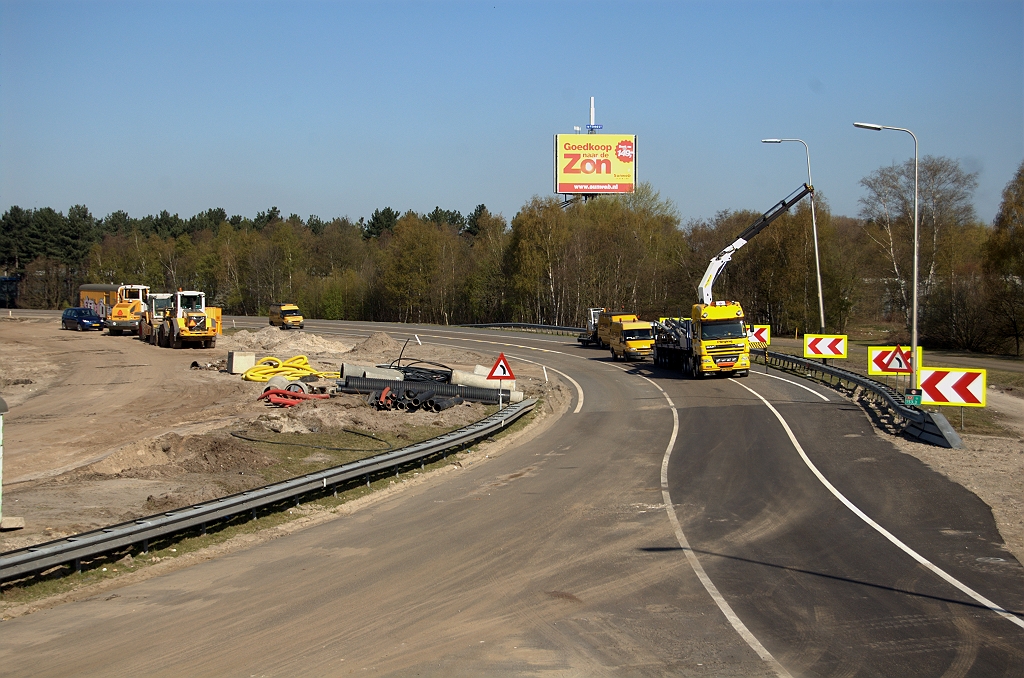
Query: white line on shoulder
{"type": "Point", "coordinates": [790, 381]}
{"type": "Point", "coordinates": [691, 557]}
{"type": "Point", "coordinates": [881, 530]}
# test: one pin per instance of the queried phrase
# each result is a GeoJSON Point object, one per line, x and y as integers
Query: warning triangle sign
{"type": "Point", "coordinates": [899, 360]}
{"type": "Point", "coordinates": [501, 370]}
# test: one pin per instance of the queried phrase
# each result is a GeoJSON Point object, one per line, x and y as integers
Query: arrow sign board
{"type": "Point", "coordinates": [501, 370]}
{"type": "Point", "coordinates": [879, 357]}
{"type": "Point", "coordinates": [824, 345]}
{"type": "Point", "coordinates": [760, 335]}
{"type": "Point", "coordinates": [952, 386]}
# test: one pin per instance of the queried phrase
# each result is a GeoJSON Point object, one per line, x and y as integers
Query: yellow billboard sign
{"type": "Point", "coordinates": [595, 163]}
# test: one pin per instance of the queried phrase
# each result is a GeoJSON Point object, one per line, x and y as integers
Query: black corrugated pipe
{"type": "Point", "coordinates": [480, 395]}
{"type": "Point", "coordinates": [420, 398]}
{"type": "Point", "coordinates": [441, 404]}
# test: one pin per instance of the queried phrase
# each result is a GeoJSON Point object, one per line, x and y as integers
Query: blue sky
{"type": "Point", "coordinates": [335, 109]}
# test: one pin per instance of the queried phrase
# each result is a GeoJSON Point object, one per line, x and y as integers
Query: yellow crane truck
{"type": "Point", "coordinates": [189, 321]}
{"type": "Point", "coordinates": [713, 340]}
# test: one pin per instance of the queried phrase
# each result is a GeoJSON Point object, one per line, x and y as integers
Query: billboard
{"type": "Point", "coordinates": [595, 163]}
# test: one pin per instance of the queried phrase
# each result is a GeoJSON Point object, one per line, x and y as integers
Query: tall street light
{"type": "Point", "coordinates": [814, 227]}
{"type": "Point", "coordinates": [913, 326]}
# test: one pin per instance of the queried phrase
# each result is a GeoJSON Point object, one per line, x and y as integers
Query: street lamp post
{"type": "Point", "coordinates": [814, 227]}
{"type": "Point", "coordinates": [913, 322]}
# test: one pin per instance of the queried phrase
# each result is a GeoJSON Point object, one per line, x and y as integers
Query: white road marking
{"type": "Point", "coordinates": [881, 530]}
{"type": "Point", "coordinates": [579, 389]}
{"type": "Point", "coordinates": [789, 381]}
{"type": "Point", "coordinates": [691, 557]}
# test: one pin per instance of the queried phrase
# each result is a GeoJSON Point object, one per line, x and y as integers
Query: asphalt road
{"type": "Point", "coordinates": [559, 557]}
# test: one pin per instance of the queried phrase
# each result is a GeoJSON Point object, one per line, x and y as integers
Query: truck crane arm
{"type": "Point", "coordinates": [723, 257]}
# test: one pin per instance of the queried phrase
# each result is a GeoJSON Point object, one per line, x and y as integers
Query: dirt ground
{"type": "Point", "coordinates": [105, 429]}
{"type": "Point", "coordinates": [992, 467]}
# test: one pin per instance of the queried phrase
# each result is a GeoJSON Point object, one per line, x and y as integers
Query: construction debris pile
{"type": "Point", "coordinates": [404, 384]}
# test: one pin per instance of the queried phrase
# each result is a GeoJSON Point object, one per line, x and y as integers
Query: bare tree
{"type": "Point", "coordinates": [945, 206]}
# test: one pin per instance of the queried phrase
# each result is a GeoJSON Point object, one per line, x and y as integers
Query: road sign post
{"type": "Point", "coordinates": [500, 371]}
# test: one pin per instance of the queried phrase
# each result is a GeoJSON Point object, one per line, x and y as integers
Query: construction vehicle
{"type": "Point", "coordinates": [630, 340]}
{"type": "Point", "coordinates": [98, 298]}
{"type": "Point", "coordinates": [158, 306]}
{"type": "Point", "coordinates": [127, 312]}
{"type": "Point", "coordinates": [714, 338]}
{"type": "Point", "coordinates": [189, 321]}
{"type": "Point", "coordinates": [590, 336]}
{"type": "Point", "coordinates": [286, 316]}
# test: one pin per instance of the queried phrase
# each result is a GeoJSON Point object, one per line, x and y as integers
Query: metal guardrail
{"type": "Point", "coordinates": [73, 549]}
{"type": "Point", "coordinates": [554, 329]}
{"type": "Point", "coordinates": [929, 427]}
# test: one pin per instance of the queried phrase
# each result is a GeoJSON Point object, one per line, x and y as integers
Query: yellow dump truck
{"type": "Point", "coordinates": [189, 321]}
{"type": "Point", "coordinates": [286, 316]}
{"type": "Point", "coordinates": [630, 340]}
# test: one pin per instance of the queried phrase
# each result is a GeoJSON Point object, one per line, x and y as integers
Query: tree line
{"type": "Point", "coordinates": [553, 261]}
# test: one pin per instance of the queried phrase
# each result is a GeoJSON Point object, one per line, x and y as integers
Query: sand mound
{"type": "Point", "coordinates": [378, 341]}
{"type": "Point", "coordinates": [282, 343]}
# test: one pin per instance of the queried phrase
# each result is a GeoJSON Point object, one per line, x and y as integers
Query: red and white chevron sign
{"type": "Point", "coordinates": [824, 345]}
{"type": "Point", "coordinates": [950, 386]}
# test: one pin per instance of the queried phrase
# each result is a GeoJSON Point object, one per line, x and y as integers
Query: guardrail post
{"type": "Point", "coordinates": [145, 546]}
{"type": "Point", "coordinates": [78, 566]}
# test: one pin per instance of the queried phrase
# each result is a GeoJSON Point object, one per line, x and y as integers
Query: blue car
{"type": "Point", "coordinates": [80, 319]}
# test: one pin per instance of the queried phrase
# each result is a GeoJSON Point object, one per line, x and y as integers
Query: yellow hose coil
{"type": "Point", "coordinates": [294, 368]}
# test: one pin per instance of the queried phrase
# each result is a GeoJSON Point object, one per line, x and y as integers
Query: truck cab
{"type": "Point", "coordinates": [127, 312]}
{"type": "Point", "coordinates": [189, 321]}
{"type": "Point", "coordinates": [630, 340]}
{"type": "Point", "coordinates": [159, 305]}
{"type": "Point", "coordinates": [590, 335]}
{"type": "Point", "coordinates": [718, 337]}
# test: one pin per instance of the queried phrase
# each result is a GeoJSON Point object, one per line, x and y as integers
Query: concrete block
{"type": "Point", "coordinates": [12, 523]}
{"type": "Point", "coordinates": [240, 361]}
